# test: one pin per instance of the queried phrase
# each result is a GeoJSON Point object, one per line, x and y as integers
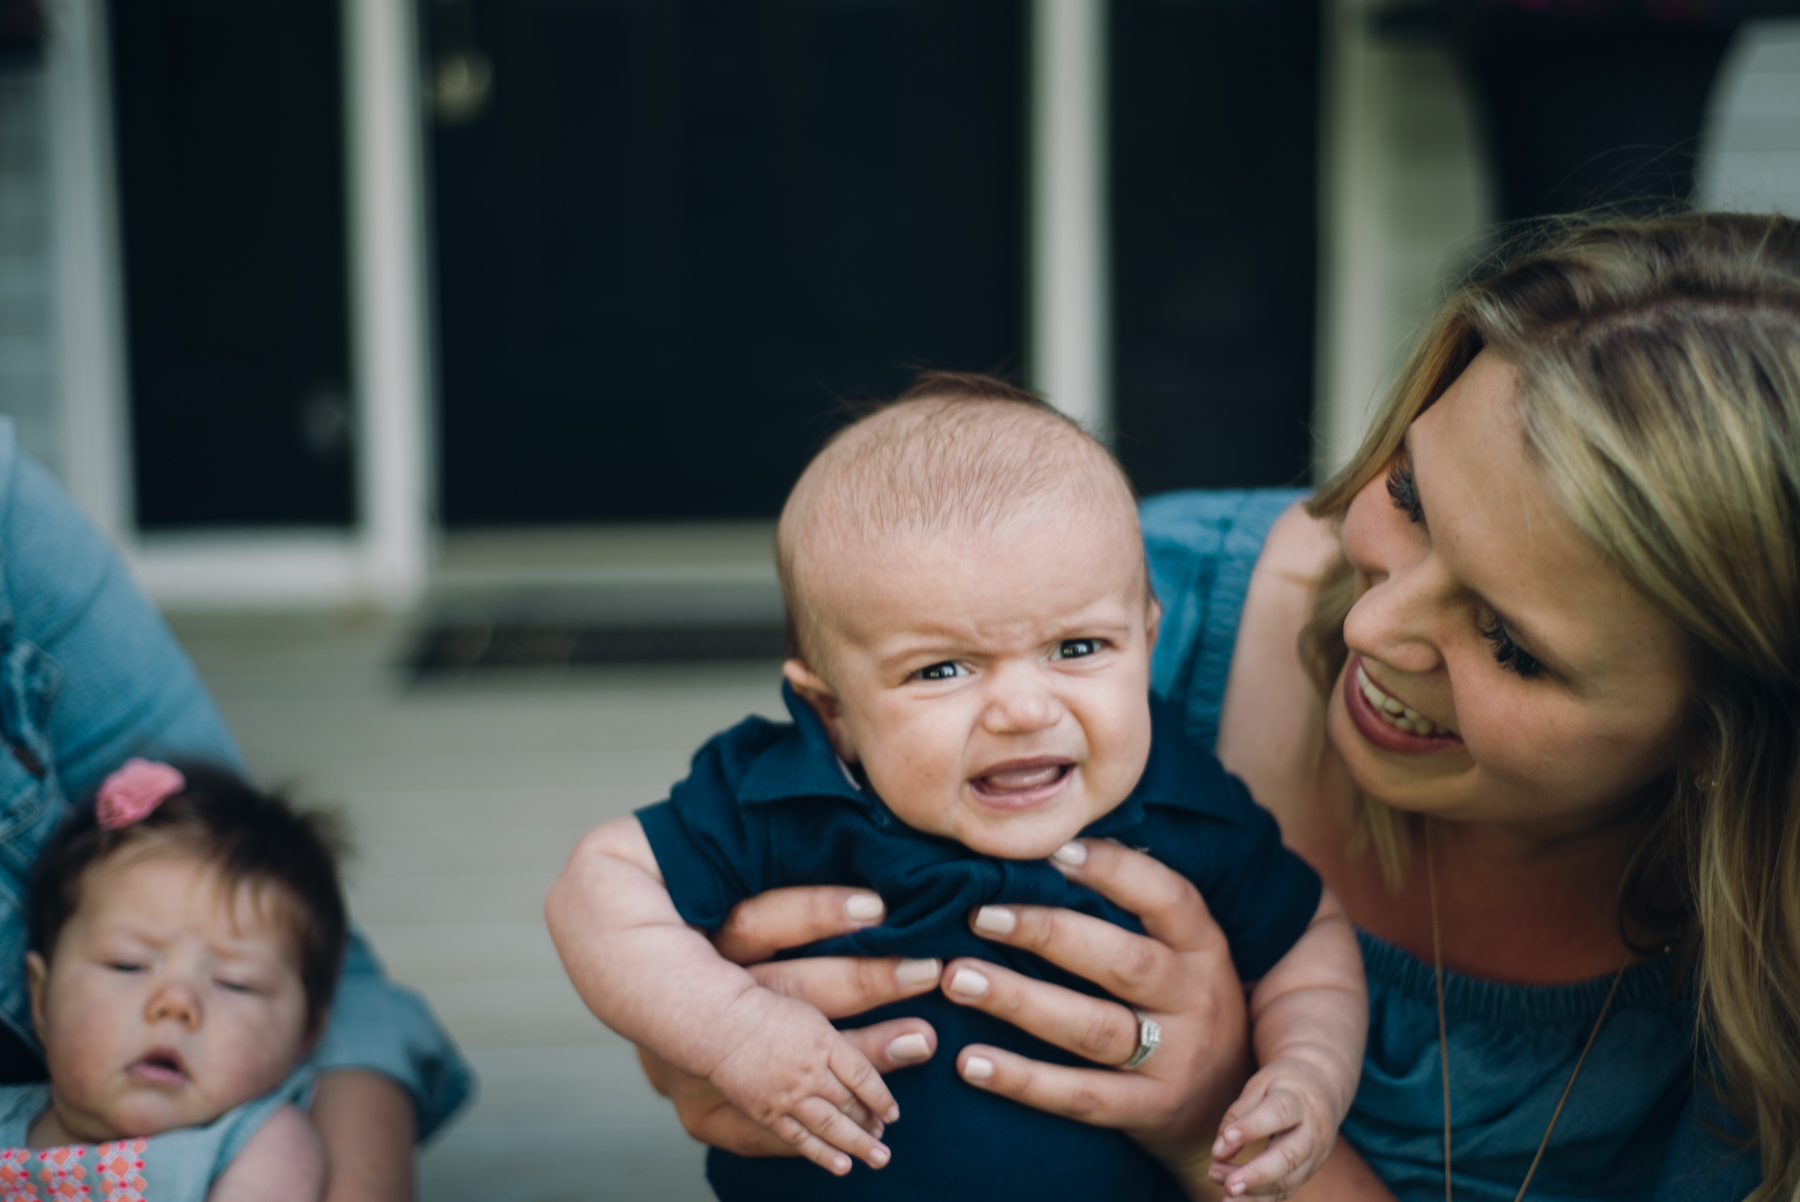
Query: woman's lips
{"type": "Point", "coordinates": [1372, 712]}
{"type": "Point", "coordinates": [1017, 784]}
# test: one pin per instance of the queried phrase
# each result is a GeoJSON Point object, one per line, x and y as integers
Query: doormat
{"type": "Point", "coordinates": [456, 648]}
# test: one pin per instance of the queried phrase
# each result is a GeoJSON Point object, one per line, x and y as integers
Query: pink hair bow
{"type": "Point", "coordinates": [134, 791]}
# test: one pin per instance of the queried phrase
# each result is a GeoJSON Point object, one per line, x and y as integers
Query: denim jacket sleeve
{"type": "Point", "coordinates": [91, 675]}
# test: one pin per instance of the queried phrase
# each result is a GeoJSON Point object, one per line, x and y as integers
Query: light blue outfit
{"type": "Point", "coordinates": [90, 676]}
{"type": "Point", "coordinates": [179, 1165]}
{"type": "Point", "coordinates": [1636, 1126]}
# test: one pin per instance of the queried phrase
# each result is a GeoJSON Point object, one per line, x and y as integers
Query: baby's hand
{"type": "Point", "coordinates": [794, 1073]}
{"type": "Point", "coordinates": [1288, 1103]}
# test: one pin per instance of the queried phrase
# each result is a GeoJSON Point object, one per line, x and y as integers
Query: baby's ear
{"type": "Point", "coordinates": [824, 701]}
{"type": "Point", "coordinates": [37, 976]}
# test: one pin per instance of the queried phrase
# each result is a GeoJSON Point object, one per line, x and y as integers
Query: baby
{"type": "Point", "coordinates": [973, 622]}
{"type": "Point", "coordinates": [185, 940]}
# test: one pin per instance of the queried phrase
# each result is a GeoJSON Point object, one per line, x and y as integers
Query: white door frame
{"type": "Point", "coordinates": [385, 558]}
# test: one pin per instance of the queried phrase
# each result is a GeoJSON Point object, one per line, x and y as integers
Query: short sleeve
{"type": "Point", "coordinates": [1709, 1158]}
{"type": "Point", "coordinates": [712, 850]}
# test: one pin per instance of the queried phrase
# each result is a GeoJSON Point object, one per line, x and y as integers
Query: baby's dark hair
{"type": "Point", "coordinates": [250, 837]}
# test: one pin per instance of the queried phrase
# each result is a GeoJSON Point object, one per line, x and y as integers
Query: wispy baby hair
{"type": "Point", "coordinates": [249, 837]}
{"type": "Point", "coordinates": [954, 454]}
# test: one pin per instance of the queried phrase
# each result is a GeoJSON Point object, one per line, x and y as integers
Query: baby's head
{"type": "Point", "coordinates": [186, 936]}
{"type": "Point", "coordinates": [971, 614]}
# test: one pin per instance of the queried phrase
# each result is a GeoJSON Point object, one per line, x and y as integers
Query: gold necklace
{"type": "Point", "coordinates": [1437, 964]}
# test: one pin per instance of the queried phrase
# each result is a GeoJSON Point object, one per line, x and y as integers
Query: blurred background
{"type": "Point", "coordinates": [440, 366]}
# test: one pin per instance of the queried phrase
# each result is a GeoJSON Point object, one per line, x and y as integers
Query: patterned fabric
{"type": "Point", "coordinates": [27, 1176]}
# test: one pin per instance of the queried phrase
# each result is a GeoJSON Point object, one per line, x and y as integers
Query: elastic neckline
{"type": "Point", "coordinates": [1648, 985]}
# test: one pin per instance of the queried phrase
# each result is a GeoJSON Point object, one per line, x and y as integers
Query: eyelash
{"type": "Point", "coordinates": [1508, 654]}
{"type": "Point", "coordinates": [1404, 493]}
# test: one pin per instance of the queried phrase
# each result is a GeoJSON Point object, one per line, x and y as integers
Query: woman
{"type": "Point", "coordinates": [1523, 683]}
{"type": "Point", "coordinates": [90, 676]}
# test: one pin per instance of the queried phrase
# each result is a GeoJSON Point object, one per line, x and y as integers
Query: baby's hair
{"type": "Point", "coordinates": [954, 452]}
{"type": "Point", "coordinates": [249, 837]}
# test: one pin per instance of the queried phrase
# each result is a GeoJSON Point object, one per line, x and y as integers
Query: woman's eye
{"type": "Point", "coordinates": [944, 671]}
{"type": "Point", "coordinates": [1508, 654]}
{"type": "Point", "coordinates": [1404, 492]}
{"type": "Point", "coordinates": [1077, 648]}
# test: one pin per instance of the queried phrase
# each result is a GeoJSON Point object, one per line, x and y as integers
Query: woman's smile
{"type": "Point", "coordinates": [1388, 722]}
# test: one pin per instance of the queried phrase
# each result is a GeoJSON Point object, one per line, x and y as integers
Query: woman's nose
{"type": "Point", "coordinates": [1019, 704]}
{"type": "Point", "coordinates": [1395, 617]}
{"type": "Point", "coordinates": [174, 1001]}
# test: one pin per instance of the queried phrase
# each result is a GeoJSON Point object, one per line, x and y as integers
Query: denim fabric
{"type": "Point", "coordinates": [89, 676]}
{"type": "Point", "coordinates": [1635, 1127]}
{"type": "Point", "coordinates": [768, 805]}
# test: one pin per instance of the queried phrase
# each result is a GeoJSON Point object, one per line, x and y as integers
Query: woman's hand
{"type": "Point", "coordinates": [1179, 974]}
{"type": "Point", "coordinates": [838, 987]}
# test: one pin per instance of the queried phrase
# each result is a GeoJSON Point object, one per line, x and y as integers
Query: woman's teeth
{"type": "Point", "coordinates": [1402, 716]}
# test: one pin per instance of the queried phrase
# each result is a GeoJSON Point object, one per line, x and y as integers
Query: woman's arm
{"type": "Point", "coordinates": [366, 1122]}
{"type": "Point", "coordinates": [283, 1162]}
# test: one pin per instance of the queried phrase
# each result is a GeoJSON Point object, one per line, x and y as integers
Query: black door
{"type": "Point", "coordinates": [672, 235]}
{"type": "Point", "coordinates": [229, 131]}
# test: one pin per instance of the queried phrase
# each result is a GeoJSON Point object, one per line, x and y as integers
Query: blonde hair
{"type": "Point", "coordinates": [1659, 383]}
{"type": "Point", "coordinates": [955, 453]}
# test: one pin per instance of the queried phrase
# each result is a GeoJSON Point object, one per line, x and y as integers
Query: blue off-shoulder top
{"type": "Point", "coordinates": [1638, 1124]}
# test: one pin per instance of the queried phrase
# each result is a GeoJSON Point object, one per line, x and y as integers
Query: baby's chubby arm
{"type": "Point", "coordinates": [1309, 1019]}
{"type": "Point", "coordinates": [283, 1162]}
{"type": "Point", "coordinates": [658, 982]}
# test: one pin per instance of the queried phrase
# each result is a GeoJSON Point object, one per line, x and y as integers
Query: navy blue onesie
{"type": "Point", "coordinates": [768, 805]}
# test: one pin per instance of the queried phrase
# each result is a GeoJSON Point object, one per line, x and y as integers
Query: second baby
{"type": "Point", "coordinates": [970, 693]}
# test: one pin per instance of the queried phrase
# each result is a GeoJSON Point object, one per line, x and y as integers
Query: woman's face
{"type": "Point", "coordinates": [1500, 669]}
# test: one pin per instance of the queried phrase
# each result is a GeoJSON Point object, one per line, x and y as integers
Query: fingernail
{"type": "Point", "coordinates": [879, 1155]}
{"type": "Point", "coordinates": [917, 972]}
{"type": "Point", "coordinates": [1219, 1146]}
{"type": "Point", "coordinates": [1072, 854]}
{"type": "Point", "coordinates": [995, 920]}
{"type": "Point", "coordinates": [893, 1113]}
{"type": "Point", "coordinates": [979, 1068]}
{"type": "Point", "coordinates": [969, 983]}
{"type": "Point", "coordinates": [840, 1165]}
{"type": "Point", "coordinates": [908, 1049]}
{"type": "Point", "coordinates": [864, 907]}
{"type": "Point", "coordinates": [1235, 1136]}
{"type": "Point", "coordinates": [1240, 1187]}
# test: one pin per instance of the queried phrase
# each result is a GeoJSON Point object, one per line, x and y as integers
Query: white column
{"type": "Point", "coordinates": [388, 305]}
{"type": "Point", "coordinates": [89, 337]}
{"type": "Point", "coordinates": [1071, 284]}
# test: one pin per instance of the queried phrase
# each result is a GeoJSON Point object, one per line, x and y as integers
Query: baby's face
{"type": "Point", "coordinates": [166, 1001]}
{"type": "Point", "coordinates": [994, 689]}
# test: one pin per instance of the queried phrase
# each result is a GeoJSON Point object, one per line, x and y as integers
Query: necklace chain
{"type": "Point", "coordinates": [1437, 965]}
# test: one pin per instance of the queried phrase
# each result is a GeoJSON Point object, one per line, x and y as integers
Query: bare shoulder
{"type": "Point", "coordinates": [283, 1162]}
{"type": "Point", "coordinates": [1272, 721]}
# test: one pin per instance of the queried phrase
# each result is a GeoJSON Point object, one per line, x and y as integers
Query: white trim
{"type": "Point", "coordinates": [261, 571]}
{"type": "Point", "coordinates": [388, 295]}
{"type": "Point", "coordinates": [1071, 293]}
{"type": "Point", "coordinates": [88, 302]}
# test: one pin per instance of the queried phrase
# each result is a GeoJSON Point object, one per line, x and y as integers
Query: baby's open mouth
{"type": "Point", "coordinates": [1021, 781]}
{"type": "Point", "coordinates": [161, 1066]}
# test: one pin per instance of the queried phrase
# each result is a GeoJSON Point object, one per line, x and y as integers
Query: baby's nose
{"type": "Point", "coordinates": [174, 1001]}
{"type": "Point", "coordinates": [1021, 707]}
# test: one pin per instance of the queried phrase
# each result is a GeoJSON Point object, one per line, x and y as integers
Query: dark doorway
{"type": "Point", "coordinates": [670, 234]}
{"type": "Point", "coordinates": [1214, 200]}
{"type": "Point", "coordinates": [229, 131]}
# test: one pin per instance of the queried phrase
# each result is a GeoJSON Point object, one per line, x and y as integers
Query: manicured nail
{"type": "Point", "coordinates": [879, 1155]}
{"type": "Point", "coordinates": [840, 1165]}
{"type": "Point", "coordinates": [908, 1049]}
{"type": "Point", "coordinates": [995, 920]}
{"type": "Point", "coordinates": [864, 907]}
{"type": "Point", "coordinates": [979, 1068]}
{"type": "Point", "coordinates": [1074, 855]}
{"type": "Point", "coordinates": [917, 972]}
{"type": "Point", "coordinates": [1239, 1187]}
{"type": "Point", "coordinates": [969, 983]}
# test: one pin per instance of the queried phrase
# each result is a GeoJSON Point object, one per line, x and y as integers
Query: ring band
{"type": "Point", "coordinates": [1149, 1039]}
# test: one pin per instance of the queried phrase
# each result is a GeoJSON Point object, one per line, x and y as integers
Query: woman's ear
{"type": "Point", "coordinates": [37, 979]}
{"type": "Point", "coordinates": [825, 703]}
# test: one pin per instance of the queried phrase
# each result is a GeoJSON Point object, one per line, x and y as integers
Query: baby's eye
{"type": "Point", "coordinates": [947, 670]}
{"type": "Point", "coordinates": [1076, 648]}
{"type": "Point", "coordinates": [230, 986]}
{"type": "Point", "coordinates": [124, 966]}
